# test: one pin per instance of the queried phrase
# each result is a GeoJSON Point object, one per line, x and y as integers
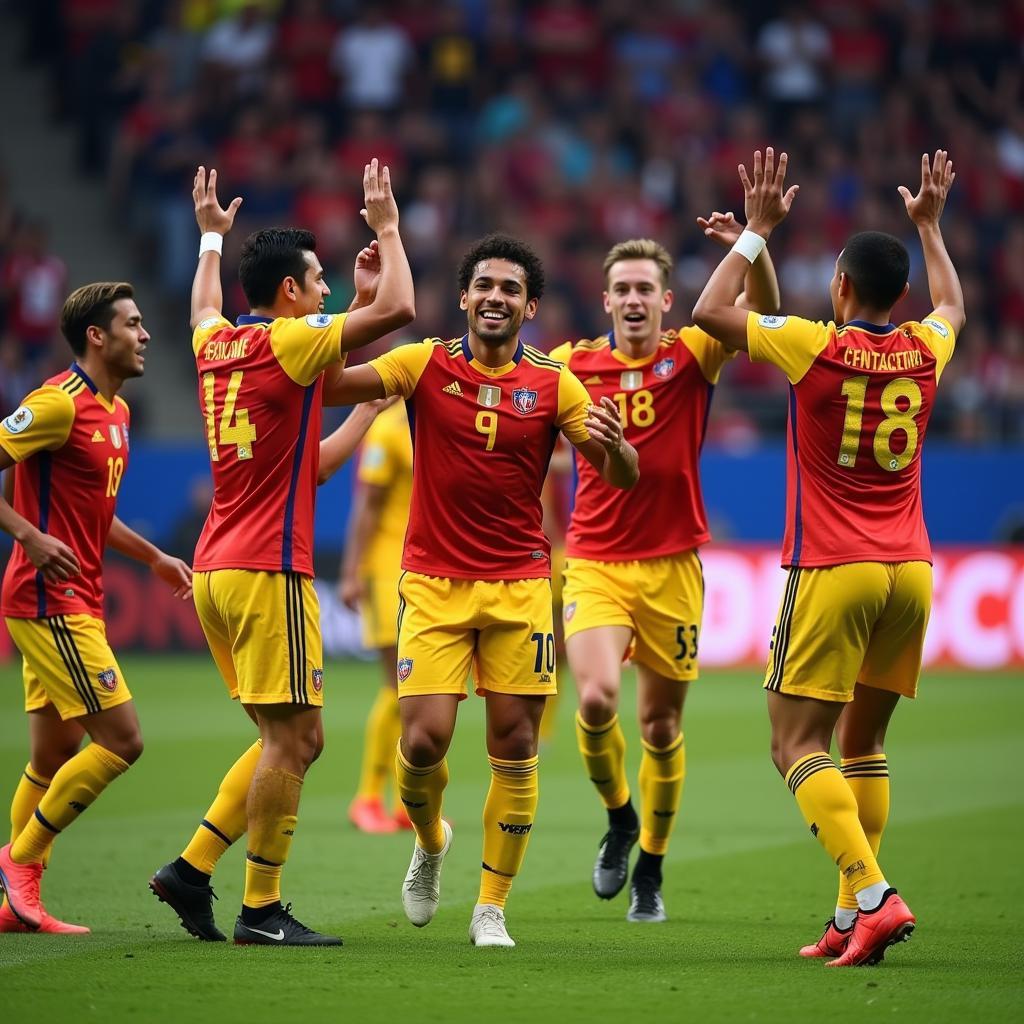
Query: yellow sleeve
{"type": "Point", "coordinates": [205, 328]}
{"type": "Point", "coordinates": [573, 403]}
{"type": "Point", "coordinates": [401, 368]}
{"type": "Point", "coordinates": [562, 353]}
{"type": "Point", "coordinates": [710, 353]}
{"type": "Point", "coordinates": [306, 346]}
{"type": "Point", "coordinates": [938, 334]}
{"type": "Point", "coordinates": [789, 342]}
{"type": "Point", "coordinates": [41, 423]}
{"type": "Point", "coordinates": [378, 463]}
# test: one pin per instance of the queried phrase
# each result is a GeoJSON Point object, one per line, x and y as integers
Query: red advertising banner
{"type": "Point", "coordinates": [977, 617]}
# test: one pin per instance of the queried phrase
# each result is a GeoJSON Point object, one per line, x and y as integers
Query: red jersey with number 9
{"type": "Point", "coordinates": [70, 447]}
{"type": "Point", "coordinates": [860, 399]}
{"type": "Point", "coordinates": [261, 392]}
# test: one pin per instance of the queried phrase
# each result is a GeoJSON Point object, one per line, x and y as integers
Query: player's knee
{"type": "Point", "coordinates": [128, 746]}
{"type": "Point", "coordinates": [421, 746]}
{"type": "Point", "coordinates": [597, 703]}
{"type": "Point", "coordinates": [780, 755]}
{"type": "Point", "coordinates": [317, 747]}
{"type": "Point", "coordinates": [660, 729]}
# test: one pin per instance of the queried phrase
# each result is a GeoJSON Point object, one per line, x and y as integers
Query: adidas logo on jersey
{"type": "Point", "coordinates": [453, 389]}
{"type": "Point", "coordinates": [593, 380]}
{"type": "Point", "coordinates": [97, 437]}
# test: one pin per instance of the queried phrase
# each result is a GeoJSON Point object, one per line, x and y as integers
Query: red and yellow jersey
{"type": "Point", "coordinates": [261, 392]}
{"type": "Point", "coordinates": [71, 449]}
{"type": "Point", "coordinates": [482, 440]}
{"type": "Point", "coordinates": [386, 462]}
{"type": "Point", "coordinates": [860, 399]}
{"type": "Point", "coordinates": [663, 401]}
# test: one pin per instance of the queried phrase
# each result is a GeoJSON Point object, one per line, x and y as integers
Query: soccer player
{"type": "Point", "coordinates": [260, 389]}
{"type": "Point", "coordinates": [369, 583]}
{"type": "Point", "coordinates": [475, 593]}
{"type": "Point", "coordinates": [68, 442]}
{"type": "Point", "coordinates": [848, 640]}
{"type": "Point", "coordinates": [633, 581]}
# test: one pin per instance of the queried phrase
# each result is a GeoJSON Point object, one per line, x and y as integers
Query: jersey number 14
{"type": "Point", "coordinates": [234, 426]}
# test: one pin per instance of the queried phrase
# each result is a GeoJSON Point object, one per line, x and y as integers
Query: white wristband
{"type": "Point", "coordinates": [749, 245]}
{"type": "Point", "coordinates": [213, 241]}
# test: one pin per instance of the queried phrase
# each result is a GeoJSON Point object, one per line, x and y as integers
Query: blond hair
{"type": "Point", "coordinates": [92, 305]}
{"type": "Point", "coordinates": [640, 249]}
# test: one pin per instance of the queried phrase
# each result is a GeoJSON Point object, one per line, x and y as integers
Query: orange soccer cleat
{"type": "Point", "coordinates": [48, 925]}
{"type": "Point", "coordinates": [875, 931]}
{"type": "Point", "coordinates": [21, 883]}
{"type": "Point", "coordinates": [368, 815]}
{"type": "Point", "coordinates": [832, 942]}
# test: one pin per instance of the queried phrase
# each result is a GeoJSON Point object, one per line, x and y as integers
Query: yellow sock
{"type": "Point", "coordinates": [829, 808]}
{"type": "Point", "coordinates": [508, 820]}
{"type": "Point", "coordinates": [383, 727]}
{"type": "Point", "coordinates": [73, 789]}
{"type": "Point", "coordinates": [422, 793]}
{"type": "Point", "coordinates": [226, 819]}
{"type": "Point", "coordinates": [273, 813]}
{"type": "Point", "coordinates": [604, 755]}
{"type": "Point", "coordinates": [662, 772]}
{"type": "Point", "coordinates": [868, 779]}
{"type": "Point", "coordinates": [31, 787]}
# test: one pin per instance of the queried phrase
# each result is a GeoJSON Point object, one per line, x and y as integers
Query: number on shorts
{"type": "Point", "coordinates": [687, 644]}
{"type": "Point", "coordinates": [545, 660]}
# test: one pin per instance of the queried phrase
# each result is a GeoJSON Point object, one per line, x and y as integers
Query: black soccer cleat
{"type": "Point", "coordinates": [645, 902]}
{"type": "Point", "coordinates": [612, 866]}
{"type": "Point", "coordinates": [281, 929]}
{"type": "Point", "coordinates": [192, 903]}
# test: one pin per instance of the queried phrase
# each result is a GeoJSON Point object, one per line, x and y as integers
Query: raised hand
{"type": "Point", "coordinates": [175, 573]}
{"type": "Point", "coordinates": [209, 214]}
{"type": "Point", "coordinates": [366, 275]}
{"type": "Point", "coordinates": [53, 558]}
{"type": "Point", "coordinates": [352, 592]}
{"type": "Point", "coordinates": [937, 176]}
{"type": "Point", "coordinates": [764, 202]}
{"type": "Point", "coordinates": [380, 211]}
{"type": "Point", "coordinates": [721, 227]}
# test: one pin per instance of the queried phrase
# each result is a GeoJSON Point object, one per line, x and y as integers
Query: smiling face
{"type": "Point", "coordinates": [122, 346]}
{"type": "Point", "coordinates": [636, 298]}
{"type": "Point", "coordinates": [496, 302]}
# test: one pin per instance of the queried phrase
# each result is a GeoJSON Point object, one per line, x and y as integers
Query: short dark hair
{"type": "Point", "coordinates": [504, 247]}
{"type": "Point", "coordinates": [268, 257]}
{"type": "Point", "coordinates": [92, 305]}
{"type": "Point", "coordinates": [878, 266]}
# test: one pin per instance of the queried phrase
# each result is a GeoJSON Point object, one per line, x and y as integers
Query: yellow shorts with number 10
{"type": "Point", "coordinates": [501, 629]}
{"type": "Point", "coordinates": [660, 599]}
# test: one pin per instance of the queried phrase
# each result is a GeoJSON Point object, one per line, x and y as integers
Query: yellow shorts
{"type": "Point", "coordinates": [846, 624]}
{"type": "Point", "coordinates": [500, 628]}
{"type": "Point", "coordinates": [378, 611]}
{"type": "Point", "coordinates": [660, 599]}
{"type": "Point", "coordinates": [67, 662]}
{"type": "Point", "coordinates": [263, 629]}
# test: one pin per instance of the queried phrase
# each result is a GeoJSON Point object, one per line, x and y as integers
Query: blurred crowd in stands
{"type": "Point", "coordinates": [572, 124]}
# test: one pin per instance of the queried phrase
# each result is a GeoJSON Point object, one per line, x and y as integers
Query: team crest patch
{"type": "Point", "coordinates": [319, 319]}
{"type": "Point", "coordinates": [524, 400]}
{"type": "Point", "coordinates": [772, 323]}
{"type": "Point", "coordinates": [108, 679]}
{"type": "Point", "coordinates": [664, 367]}
{"type": "Point", "coordinates": [115, 434]}
{"type": "Point", "coordinates": [318, 679]}
{"type": "Point", "coordinates": [404, 669]}
{"type": "Point", "coordinates": [488, 396]}
{"type": "Point", "coordinates": [19, 420]}
{"type": "Point", "coordinates": [570, 610]}
{"type": "Point", "coordinates": [935, 325]}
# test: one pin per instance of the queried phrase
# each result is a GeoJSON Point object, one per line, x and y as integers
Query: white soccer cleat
{"type": "Point", "coordinates": [487, 928]}
{"type": "Point", "coordinates": [421, 890]}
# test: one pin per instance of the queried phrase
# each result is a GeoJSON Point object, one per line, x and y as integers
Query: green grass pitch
{"type": "Point", "coordinates": [745, 883]}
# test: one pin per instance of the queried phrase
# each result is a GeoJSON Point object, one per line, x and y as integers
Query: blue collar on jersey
{"type": "Point", "coordinates": [251, 318]}
{"type": "Point", "coordinates": [611, 339]}
{"type": "Point", "coordinates": [468, 352]}
{"type": "Point", "coordinates": [863, 325]}
{"type": "Point", "coordinates": [75, 368]}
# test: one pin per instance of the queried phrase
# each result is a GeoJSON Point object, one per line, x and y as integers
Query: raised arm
{"type": "Point", "coordinates": [761, 285]}
{"type": "Point", "coordinates": [349, 386]}
{"type": "Point", "coordinates": [173, 571]}
{"type": "Point", "coordinates": [607, 449]}
{"type": "Point", "coordinates": [392, 304]}
{"type": "Point", "coordinates": [766, 206]}
{"type": "Point", "coordinates": [214, 223]}
{"type": "Point", "coordinates": [925, 209]}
